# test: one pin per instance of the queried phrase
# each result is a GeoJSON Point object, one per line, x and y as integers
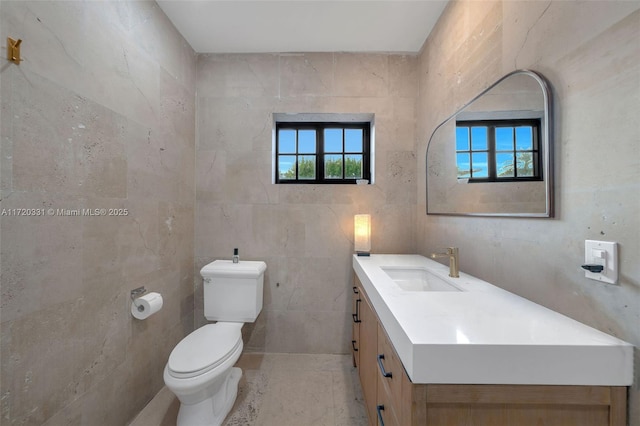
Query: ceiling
{"type": "Point", "coordinates": [252, 26]}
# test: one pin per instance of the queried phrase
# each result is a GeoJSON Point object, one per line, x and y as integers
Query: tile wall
{"type": "Point", "coordinates": [99, 115]}
{"type": "Point", "coordinates": [303, 232]}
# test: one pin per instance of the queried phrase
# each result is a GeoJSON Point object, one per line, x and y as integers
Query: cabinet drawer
{"type": "Point", "coordinates": [355, 344]}
{"type": "Point", "coordinates": [390, 372]}
{"type": "Point", "coordinates": [388, 414]}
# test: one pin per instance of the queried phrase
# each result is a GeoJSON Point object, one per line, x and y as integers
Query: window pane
{"type": "Point", "coordinates": [333, 166]}
{"type": "Point", "coordinates": [479, 138]}
{"type": "Point", "coordinates": [353, 166]}
{"type": "Point", "coordinates": [306, 141]}
{"type": "Point", "coordinates": [287, 166]}
{"type": "Point", "coordinates": [462, 139]}
{"type": "Point", "coordinates": [524, 161]}
{"type": "Point", "coordinates": [464, 166]}
{"type": "Point", "coordinates": [307, 167]}
{"type": "Point", "coordinates": [353, 140]}
{"type": "Point", "coordinates": [498, 149]}
{"type": "Point", "coordinates": [524, 138]}
{"type": "Point", "coordinates": [504, 165]}
{"type": "Point", "coordinates": [480, 165]}
{"type": "Point", "coordinates": [287, 141]}
{"type": "Point", "coordinates": [504, 138]}
{"type": "Point", "coordinates": [322, 152]}
{"type": "Point", "coordinates": [332, 140]}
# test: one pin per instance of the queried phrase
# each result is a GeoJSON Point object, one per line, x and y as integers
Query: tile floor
{"type": "Point", "coordinates": [281, 390]}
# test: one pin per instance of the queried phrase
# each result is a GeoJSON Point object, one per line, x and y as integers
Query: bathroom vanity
{"type": "Point", "coordinates": [434, 350]}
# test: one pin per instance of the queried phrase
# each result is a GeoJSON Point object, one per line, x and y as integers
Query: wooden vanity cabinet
{"type": "Point", "coordinates": [395, 401]}
{"type": "Point", "coordinates": [381, 394]}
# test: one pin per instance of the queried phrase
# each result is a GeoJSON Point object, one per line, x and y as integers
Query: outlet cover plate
{"type": "Point", "coordinates": [603, 253]}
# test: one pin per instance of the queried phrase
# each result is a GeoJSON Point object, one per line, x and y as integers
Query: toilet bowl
{"type": "Point", "coordinates": [200, 368]}
{"type": "Point", "coordinates": [200, 373]}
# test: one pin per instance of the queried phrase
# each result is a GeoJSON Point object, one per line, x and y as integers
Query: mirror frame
{"type": "Point", "coordinates": [548, 148]}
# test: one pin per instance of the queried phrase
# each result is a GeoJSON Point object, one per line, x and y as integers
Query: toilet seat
{"type": "Point", "coordinates": [204, 349]}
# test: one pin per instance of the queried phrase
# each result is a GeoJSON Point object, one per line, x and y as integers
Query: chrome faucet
{"type": "Point", "coordinates": [452, 253]}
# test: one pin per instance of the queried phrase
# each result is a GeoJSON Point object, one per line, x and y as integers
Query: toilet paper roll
{"type": "Point", "coordinates": [145, 306]}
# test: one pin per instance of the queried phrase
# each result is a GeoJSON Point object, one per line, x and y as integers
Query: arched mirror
{"type": "Point", "coordinates": [494, 156]}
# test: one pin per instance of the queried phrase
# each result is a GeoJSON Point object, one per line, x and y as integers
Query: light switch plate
{"type": "Point", "coordinates": [603, 253]}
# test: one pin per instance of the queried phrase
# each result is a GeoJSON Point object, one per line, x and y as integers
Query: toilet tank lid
{"type": "Point", "coordinates": [226, 268]}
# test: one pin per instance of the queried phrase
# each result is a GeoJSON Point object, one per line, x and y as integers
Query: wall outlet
{"type": "Point", "coordinates": [603, 253]}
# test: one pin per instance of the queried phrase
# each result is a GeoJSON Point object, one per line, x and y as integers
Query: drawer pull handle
{"type": "Point", "coordinates": [353, 346]}
{"type": "Point", "coordinates": [382, 370]}
{"type": "Point", "coordinates": [356, 316]}
{"type": "Point", "coordinates": [355, 289]}
{"type": "Point", "coordinates": [379, 409]}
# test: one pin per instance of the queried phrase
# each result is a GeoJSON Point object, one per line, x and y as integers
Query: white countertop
{"type": "Point", "coordinates": [486, 335]}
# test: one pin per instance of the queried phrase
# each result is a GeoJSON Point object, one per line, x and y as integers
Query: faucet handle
{"type": "Point", "coordinates": [448, 250]}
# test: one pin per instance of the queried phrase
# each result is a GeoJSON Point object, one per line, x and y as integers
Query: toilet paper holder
{"type": "Point", "coordinates": [135, 293]}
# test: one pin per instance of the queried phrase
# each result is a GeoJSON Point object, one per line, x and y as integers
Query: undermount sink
{"type": "Point", "coordinates": [418, 279]}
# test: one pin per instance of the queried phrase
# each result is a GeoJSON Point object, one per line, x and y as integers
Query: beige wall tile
{"type": "Point", "coordinates": [238, 75]}
{"type": "Point", "coordinates": [307, 74]}
{"type": "Point", "coordinates": [40, 255]}
{"type": "Point", "coordinates": [361, 75]}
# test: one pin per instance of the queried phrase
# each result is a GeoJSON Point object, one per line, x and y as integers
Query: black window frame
{"type": "Point", "coordinates": [320, 127]}
{"type": "Point", "coordinates": [535, 123]}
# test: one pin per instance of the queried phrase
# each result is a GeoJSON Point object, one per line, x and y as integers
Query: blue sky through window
{"type": "Point", "coordinates": [504, 139]}
{"type": "Point", "coordinates": [306, 141]}
{"type": "Point", "coordinates": [524, 138]}
{"type": "Point", "coordinates": [287, 141]}
{"type": "Point", "coordinates": [353, 140]}
{"type": "Point", "coordinates": [333, 140]}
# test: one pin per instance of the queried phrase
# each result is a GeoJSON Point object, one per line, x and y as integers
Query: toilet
{"type": "Point", "coordinates": [200, 369]}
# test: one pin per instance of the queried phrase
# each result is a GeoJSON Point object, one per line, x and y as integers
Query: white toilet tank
{"type": "Point", "coordinates": [233, 291]}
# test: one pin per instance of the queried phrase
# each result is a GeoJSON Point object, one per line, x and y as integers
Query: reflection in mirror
{"type": "Point", "coordinates": [493, 157]}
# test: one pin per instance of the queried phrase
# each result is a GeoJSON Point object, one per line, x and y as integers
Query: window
{"type": "Point", "coordinates": [322, 152]}
{"type": "Point", "coordinates": [498, 150]}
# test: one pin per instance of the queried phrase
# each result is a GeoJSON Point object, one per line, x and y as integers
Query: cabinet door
{"type": "Point", "coordinates": [355, 327]}
{"type": "Point", "coordinates": [368, 350]}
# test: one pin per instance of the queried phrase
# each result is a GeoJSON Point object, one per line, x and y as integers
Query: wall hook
{"type": "Point", "coordinates": [13, 50]}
